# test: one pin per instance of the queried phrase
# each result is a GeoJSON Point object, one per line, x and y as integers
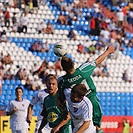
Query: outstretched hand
{"type": "Point", "coordinates": [111, 49]}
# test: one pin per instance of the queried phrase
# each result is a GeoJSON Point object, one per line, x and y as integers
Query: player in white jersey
{"type": "Point", "coordinates": [39, 97]}
{"type": "Point", "coordinates": [80, 108]}
{"type": "Point", "coordinates": [17, 110]}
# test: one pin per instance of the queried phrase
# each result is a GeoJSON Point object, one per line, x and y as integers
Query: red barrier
{"type": "Point", "coordinates": [113, 124]}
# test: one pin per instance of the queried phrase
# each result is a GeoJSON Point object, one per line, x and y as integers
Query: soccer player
{"type": "Point", "coordinates": [51, 113]}
{"type": "Point", "coordinates": [80, 108]}
{"type": "Point", "coordinates": [82, 75]}
{"type": "Point", "coordinates": [17, 110]}
{"type": "Point", "coordinates": [39, 97]}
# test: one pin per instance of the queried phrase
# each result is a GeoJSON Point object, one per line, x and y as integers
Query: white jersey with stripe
{"type": "Point", "coordinates": [80, 112]}
{"type": "Point", "coordinates": [18, 119]}
{"type": "Point", "coordinates": [39, 97]}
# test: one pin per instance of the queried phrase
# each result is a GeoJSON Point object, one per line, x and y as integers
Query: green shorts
{"type": "Point", "coordinates": [97, 112]}
{"type": "Point", "coordinates": [65, 129]}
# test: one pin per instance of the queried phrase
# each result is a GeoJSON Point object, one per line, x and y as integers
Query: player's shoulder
{"type": "Point", "coordinates": [86, 64]}
{"type": "Point", "coordinates": [46, 98]}
{"type": "Point", "coordinates": [87, 101]}
{"type": "Point", "coordinates": [60, 79]}
{"type": "Point", "coordinates": [26, 100]}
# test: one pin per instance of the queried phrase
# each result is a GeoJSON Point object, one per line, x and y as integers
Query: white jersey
{"type": "Point", "coordinates": [80, 112]}
{"type": "Point", "coordinates": [39, 97]}
{"type": "Point", "coordinates": [18, 119]}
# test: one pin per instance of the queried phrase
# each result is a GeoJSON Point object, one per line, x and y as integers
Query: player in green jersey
{"type": "Point", "coordinates": [51, 113]}
{"type": "Point", "coordinates": [82, 75]}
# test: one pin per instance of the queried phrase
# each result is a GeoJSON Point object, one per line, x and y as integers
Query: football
{"type": "Point", "coordinates": [60, 49]}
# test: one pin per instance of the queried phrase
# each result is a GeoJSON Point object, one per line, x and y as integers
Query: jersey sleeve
{"type": "Point", "coordinates": [34, 99]}
{"type": "Point", "coordinates": [87, 111]}
{"type": "Point", "coordinates": [9, 107]}
{"type": "Point", "coordinates": [88, 68]}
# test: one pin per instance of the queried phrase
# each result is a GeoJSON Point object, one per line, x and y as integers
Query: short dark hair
{"type": "Point", "coordinates": [67, 64]}
{"type": "Point", "coordinates": [80, 90]}
{"type": "Point", "coordinates": [49, 76]}
{"type": "Point", "coordinates": [19, 87]}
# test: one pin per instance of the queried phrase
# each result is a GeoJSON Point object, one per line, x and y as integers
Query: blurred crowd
{"type": "Point", "coordinates": [110, 31]}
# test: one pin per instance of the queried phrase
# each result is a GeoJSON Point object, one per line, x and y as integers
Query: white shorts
{"type": "Point", "coordinates": [20, 131]}
{"type": "Point", "coordinates": [46, 129]}
{"type": "Point", "coordinates": [92, 130]}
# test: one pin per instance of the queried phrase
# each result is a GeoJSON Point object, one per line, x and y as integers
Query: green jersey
{"type": "Point", "coordinates": [82, 75]}
{"type": "Point", "coordinates": [52, 112]}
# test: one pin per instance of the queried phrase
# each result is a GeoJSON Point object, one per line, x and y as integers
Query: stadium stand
{"type": "Point", "coordinates": [115, 94]}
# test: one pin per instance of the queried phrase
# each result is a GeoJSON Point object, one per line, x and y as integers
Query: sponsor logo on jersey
{"type": "Point", "coordinates": [23, 105]}
{"type": "Point", "coordinates": [52, 117]}
{"type": "Point", "coordinates": [74, 78]}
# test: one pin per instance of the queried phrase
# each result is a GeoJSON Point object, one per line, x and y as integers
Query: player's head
{"type": "Point", "coordinates": [51, 83]}
{"type": "Point", "coordinates": [78, 92]}
{"type": "Point", "coordinates": [50, 75]}
{"type": "Point", "coordinates": [19, 92]}
{"type": "Point", "coordinates": [67, 64]}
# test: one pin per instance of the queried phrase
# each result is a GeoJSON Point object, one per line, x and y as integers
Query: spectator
{"type": "Point", "coordinates": [62, 5]}
{"type": "Point", "coordinates": [14, 19]}
{"type": "Point", "coordinates": [97, 24]}
{"type": "Point", "coordinates": [81, 49]}
{"type": "Point", "coordinates": [46, 47]}
{"type": "Point", "coordinates": [25, 21]}
{"type": "Point", "coordinates": [49, 29]}
{"type": "Point", "coordinates": [105, 70]}
{"type": "Point", "coordinates": [35, 5]}
{"type": "Point", "coordinates": [1, 15]}
{"type": "Point", "coordinates": [7, 59]}
{"type": "Point", "coordinates": [8, 75]}
{"type": "Point", "coordinates": [87, 44]}
{"type": "Point", "coordinates": [91, 49]}
{"type": "Point", "coordinates": [28, 85]}
{"type": "Point", "coordinates": [20, 27]}
{"type": "Point", "coordinates": [62, 19]}
{"type": "Point", "coordinates": [58, 65]}
{"type": "Point", "coordinates": [125, 77]}
{"type": "Point", "coordinates": [92, 26]}
{"type": "Point", "coordinates": [7, 18]}
{"type": "Point", "coordinates": [98, 71]}
{"type": "Point", "coordinates": [126, 126]}
{"type": "Point", "coordinates": [39, 47]}
{"type": "Point", "coordinates": [15, 27]}
{"type": "Point", "coordinates": [120, 18]}
{"type": "Point", "coordinates": [3, 37]}
{"type": "Point", "coordinates": [34, 46]}
{"type": "Point", "coordinates": [26, 3]}
{"type": "Point", "coordinates": [72, 15]}
{"type": "Point", "coordinates": [12, 3]}
{"type": "Point", "coordinates": [99, 45]}
{"type": "Point", "coordinates": [31, 6]}
{"type": "Point", "coordinates": [71, 34]}
{"type": "Point", "coordinates": [21, 74]}
{"type": "Point", "coordinates": [34, 69]}
{"type": "Point", "coordinates": [41, 27]}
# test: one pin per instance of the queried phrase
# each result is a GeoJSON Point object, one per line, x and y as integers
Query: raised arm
{"type": "Point", "coordinates": [102, 57]}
